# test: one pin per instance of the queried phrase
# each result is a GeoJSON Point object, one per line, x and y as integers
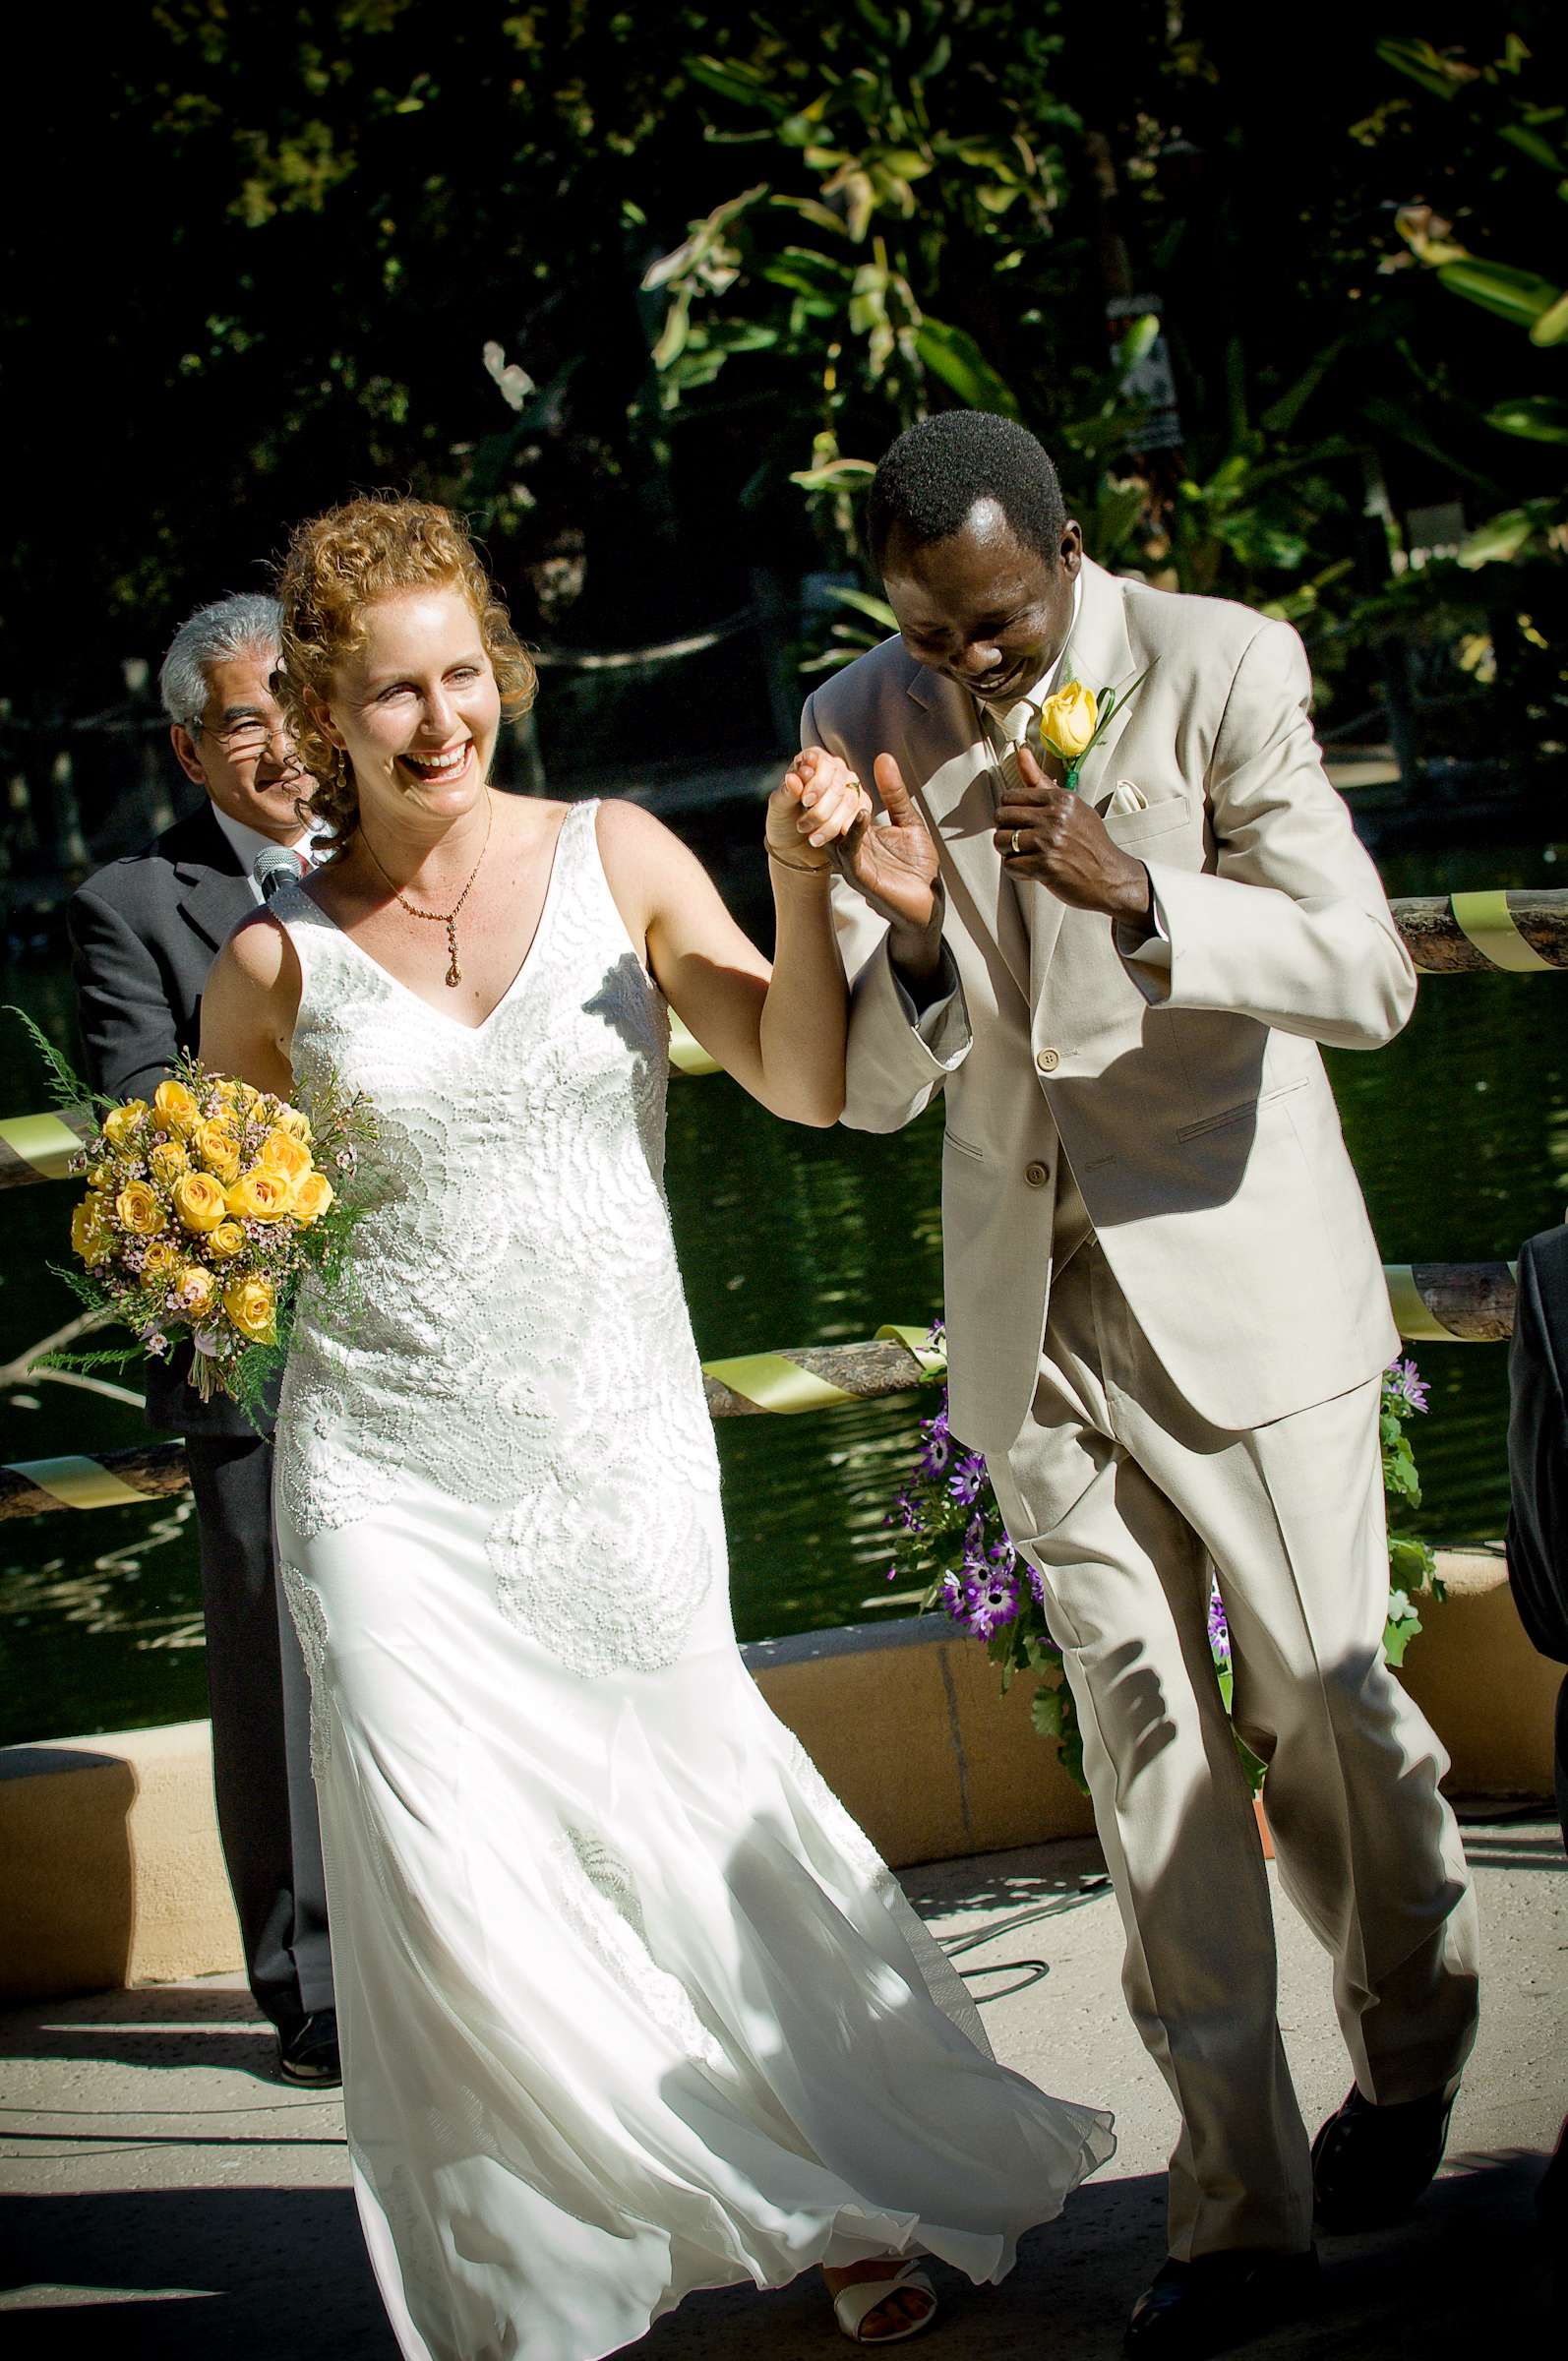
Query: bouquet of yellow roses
{"type": "Point", "coordinates": [206, 1205]}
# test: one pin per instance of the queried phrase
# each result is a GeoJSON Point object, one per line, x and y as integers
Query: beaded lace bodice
{"type": "Point", "coordinates": [512, 1326]}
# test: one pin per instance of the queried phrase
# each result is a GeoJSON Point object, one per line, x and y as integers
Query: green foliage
{"type": "Point", "coordinates": [949, 1537]}
{"type": "Point", "coordinates": [731, 250]}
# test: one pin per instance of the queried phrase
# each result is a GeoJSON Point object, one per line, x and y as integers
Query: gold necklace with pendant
{"type": "Point", "coordinates": [440, 918]}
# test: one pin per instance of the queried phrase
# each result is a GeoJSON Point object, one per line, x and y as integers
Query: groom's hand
{"type": "Point", "coordinates": [894, 866]}
{"type": "Point", "coordinates": [1056, 839]}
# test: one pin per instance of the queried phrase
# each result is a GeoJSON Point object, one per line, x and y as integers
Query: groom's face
{"type": "Point", "coordinates": [982, 608]}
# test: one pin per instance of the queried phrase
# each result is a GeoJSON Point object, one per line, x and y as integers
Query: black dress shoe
{"type": "Point", "coordinates": [307, 2052]}
{"type": "Point", "coordinates": [1219, 2301]}
{"type": "Point", "coordinates": [1369, 2164]}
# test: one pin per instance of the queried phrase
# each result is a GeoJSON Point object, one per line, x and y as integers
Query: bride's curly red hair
{"type": "Point", "coordinates": [336, 564]}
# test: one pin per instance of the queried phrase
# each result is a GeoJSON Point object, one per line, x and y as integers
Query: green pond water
{"type": "Point", "coordinates": [1459, 1132]}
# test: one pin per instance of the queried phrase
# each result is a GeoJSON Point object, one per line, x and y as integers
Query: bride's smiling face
{"type": "Point", "coordinates": [416, 708]}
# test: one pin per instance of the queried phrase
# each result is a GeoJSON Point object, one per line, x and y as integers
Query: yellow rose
{"type": "Point", "coordinates": [159, 1258]}
{"type": "Point", "coordinates": [138, 1210]}
{"type": "Point", "coordinates": [167, 1162]}
{"type": "Point", "coordinates": [219, 1149]}
{"type": "Point", "coordinates": [250, 1306]}
{"type": "Point", "coordinates": [258, 1195]}
{"type": "Point", "coordinates": [100, 1176]}
{"type": "Point", "coordinates": [225, 1242]}
{"type": "Point", "coordinates": [196, 1291]}
{"type": "Point", "coordinates": [282, 1153]}
{"type": "Point", "coordinates": [91, 1234]}
{"type": "Point", "coordinates": [199, 1201]}
{"type": "Point", "coordinates": [1067, 722]}
{"type": "Point", "coordinates": [312, 1198]}
{"type": "Point", "coordinates": [121, 1126]}
{"type": "Point", "coordinates": [295, 1121]}
{"type": "Point", "coordinates": [174, 1108]}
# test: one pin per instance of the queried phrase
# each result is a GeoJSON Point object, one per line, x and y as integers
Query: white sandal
{"type": "Point", "coordinates": [854, 2305]}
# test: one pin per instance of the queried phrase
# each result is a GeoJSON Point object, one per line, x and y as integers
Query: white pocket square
{"type": "Point", "coordinates": [1127, 798]}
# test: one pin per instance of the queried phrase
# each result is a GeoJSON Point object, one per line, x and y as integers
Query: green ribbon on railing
{"type": "Point", "coordinates": [931, 1358]}
{"type": "Point", "coordinates": [77, 1482]}
{"type": "Point", "coordinates": [1486, 920]}
{"type": "Point", "coordinates": [1413, 1317]}
{"type": "Point", "coordinates": [41, 1140]}
{"type": "Point", "coordinates": [775, 1382]}
{"type": "Point", "coordinates": [687, 1053]}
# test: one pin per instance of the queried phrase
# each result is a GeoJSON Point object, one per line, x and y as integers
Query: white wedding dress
{"type": "Point", "coordinates": [628, 2004]}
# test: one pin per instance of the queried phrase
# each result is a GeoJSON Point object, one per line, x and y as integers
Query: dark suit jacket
{"type": "Point", "coordinates": [1537, 1443]}
{"type": "Point", "coordinates": [144, 934]}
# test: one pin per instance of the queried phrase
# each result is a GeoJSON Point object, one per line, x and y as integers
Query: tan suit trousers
{"type": "Point", "coordinates": [1123, 1497]}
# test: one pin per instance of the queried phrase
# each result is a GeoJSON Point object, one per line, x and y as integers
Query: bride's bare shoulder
{"type": "Point", "coordinates": [261, 952]}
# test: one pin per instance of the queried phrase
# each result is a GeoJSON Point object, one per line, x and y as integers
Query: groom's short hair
{"type": "Point", "coordinates": [940, 466]}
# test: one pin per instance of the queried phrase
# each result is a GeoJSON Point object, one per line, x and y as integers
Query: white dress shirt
{"type": "Point", "coordinates": [248, 842]}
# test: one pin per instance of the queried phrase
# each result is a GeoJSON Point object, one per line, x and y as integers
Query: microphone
{"type": "Point", "coordinates": [274, 867]}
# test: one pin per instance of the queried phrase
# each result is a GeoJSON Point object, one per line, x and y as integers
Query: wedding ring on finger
{"type": "Point", "coordinates": [1015, 846]}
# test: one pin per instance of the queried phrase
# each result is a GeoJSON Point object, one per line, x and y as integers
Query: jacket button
{"type": "Point", "coordinates": [1047, 1061]}
{"type": "Point", "coordinates": [1037, 1174]}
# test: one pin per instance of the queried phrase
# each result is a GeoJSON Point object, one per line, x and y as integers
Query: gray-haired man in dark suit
{"type": "Point", "coordinates": [143, 932]}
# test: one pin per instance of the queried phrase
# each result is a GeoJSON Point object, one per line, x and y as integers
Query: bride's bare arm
{"type": "Point", "coordinates": [779, 1028]}
{"type": "Point", "coordinates": [248, 1007]}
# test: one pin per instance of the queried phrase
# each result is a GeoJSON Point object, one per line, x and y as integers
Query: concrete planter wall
{"type": "Point", "coordinates": [109, 1864]}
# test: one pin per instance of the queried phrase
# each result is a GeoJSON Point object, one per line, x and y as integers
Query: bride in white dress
{"type": "Point", "coordinates": [628, 2005]}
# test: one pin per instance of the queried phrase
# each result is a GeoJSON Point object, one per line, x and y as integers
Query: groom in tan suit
{"type": "Point", "coordinates": [1166, 1312]}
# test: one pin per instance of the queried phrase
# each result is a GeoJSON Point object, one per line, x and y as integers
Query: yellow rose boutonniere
{"type": "Point", "coordinates": [1072, 720]}
{"type": "Point", "coordinates": [199, 1201]}
{"type": "Point", "coordinates": [251, 1307]}
{"type": "Point", "coordinates": [225, 1242]}
{"type": "Point", "coordinates": [1067, 722]}
{"type": "Point", "coordinates": [282, 1153]}
{"type": "Point", "coordinates": [175, 1109]}
{"type": "Point", "coordinates": [138, 1210]}
{"type": "Point", "coordinates": [258, 1195]}
{"type": "Point", "coordinates": [91, 1234]}
{"type": "Point", "coordinates": [312, 1198]}
{"type": "Point", "coordinates": [167, 1162]}
{"type": "Point", "coordinates": [122, 1126]}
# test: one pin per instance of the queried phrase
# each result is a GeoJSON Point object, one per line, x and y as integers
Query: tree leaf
{"type": "Point", "coordinates": [1552, 325]}
{"type": "Point", "coordinates": [952, 354]}
{"type": "Point", "coordinates": [1517, 295]}
{"type": "Point", "coordinates": [1538, 417]}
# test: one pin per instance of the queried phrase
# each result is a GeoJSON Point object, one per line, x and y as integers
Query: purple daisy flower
{"type": "Point", "coordinates": [1219, 1628]}
{"type": "Point", "coordinates": [966, 1479]}
{"type": "Point", "coordinates": [1403, 1382]}
{"type": "Point", "coordinates": [990, 1600]}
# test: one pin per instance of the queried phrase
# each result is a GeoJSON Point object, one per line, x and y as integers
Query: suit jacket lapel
{"type": "Point", "coordinates": [1101, 657]}
{"type": "Point", "coordinates": [215, 894]}
{"type": "Point", "coordinates": [957, 798]}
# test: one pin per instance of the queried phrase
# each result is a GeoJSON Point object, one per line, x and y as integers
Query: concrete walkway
{"type": "Point", "coordinates": [151, 2169]}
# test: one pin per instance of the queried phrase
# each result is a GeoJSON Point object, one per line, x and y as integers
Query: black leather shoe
{"type": "Point", "coordinates": [1369, 2164]}
{"type": "Point", "coordinates": [307, 2052]}
{"type": "Point", "coordinates": [1221, 2300]}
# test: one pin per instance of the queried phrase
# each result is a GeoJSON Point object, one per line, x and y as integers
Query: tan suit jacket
{"type": "Point", "coordinates": [1193, 1109]}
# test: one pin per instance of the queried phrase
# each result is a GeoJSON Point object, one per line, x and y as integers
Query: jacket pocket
{"type": "Point", "coordinates": [1154, 820]}
{"type": "Point", "coordinates": [951, 1139]}
{"type": "Point", "coordinates": [1240, 1113]}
